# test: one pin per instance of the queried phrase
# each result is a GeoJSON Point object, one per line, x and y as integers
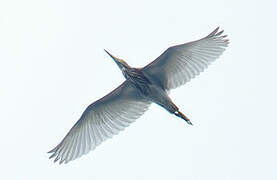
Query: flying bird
{"type": "Point", "coordinates": [151, 84]}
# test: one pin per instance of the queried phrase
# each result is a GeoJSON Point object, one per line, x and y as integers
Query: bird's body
{"type": "Point", "coordinates": [149, 88]}
{"type": "Point", "coordinates": [137, 77]}
{"type": "Point", "coordinates": [143, 86]}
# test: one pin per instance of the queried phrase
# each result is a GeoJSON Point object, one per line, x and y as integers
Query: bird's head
{"type": "Point", "coordinates": [120, 62]}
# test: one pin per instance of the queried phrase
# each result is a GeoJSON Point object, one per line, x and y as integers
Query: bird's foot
{"type": "Point", "coordinates": [181, 115]}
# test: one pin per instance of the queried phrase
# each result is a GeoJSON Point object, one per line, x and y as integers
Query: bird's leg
{"type": "Point", "coordinates": [181, 115]}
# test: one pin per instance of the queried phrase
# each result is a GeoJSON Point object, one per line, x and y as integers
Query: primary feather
{"type": "Point", "coordinates": [100, 121]}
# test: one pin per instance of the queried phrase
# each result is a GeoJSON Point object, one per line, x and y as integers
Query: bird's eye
{"type": "Point", "coordinates": [121, 61]}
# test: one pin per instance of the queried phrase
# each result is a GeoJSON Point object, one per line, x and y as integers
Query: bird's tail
{"type": "Point", "coordinates": [181, 115]}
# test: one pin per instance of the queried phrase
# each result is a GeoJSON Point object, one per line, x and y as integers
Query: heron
{"type": "Point", "coordinates": [151, 84]}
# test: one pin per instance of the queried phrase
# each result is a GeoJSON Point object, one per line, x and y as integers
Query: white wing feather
{"type": "Point", "coordinates": [101, 120]}
{"type": "Point", "coordinates": [179, 64]}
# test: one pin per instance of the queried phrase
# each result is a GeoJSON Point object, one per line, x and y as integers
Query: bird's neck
{"type": "Point", "coordinates": [131, 73]}
{"type": "Point", "coordinates": [137, 77]}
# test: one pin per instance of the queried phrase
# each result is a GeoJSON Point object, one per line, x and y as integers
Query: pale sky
{"type": "Point", "coordinates": [52, 66]}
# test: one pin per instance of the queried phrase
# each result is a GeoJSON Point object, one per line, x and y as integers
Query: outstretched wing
{"type": "Point", "coordinates": [179, 64]}
{"type": "Point", "coordinates": [101, 120]}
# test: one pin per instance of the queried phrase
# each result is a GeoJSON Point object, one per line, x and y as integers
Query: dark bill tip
{"type": "Point", "coordinates": [114, 58]}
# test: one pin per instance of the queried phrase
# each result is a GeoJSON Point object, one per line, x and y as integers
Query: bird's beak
{"type": "Point", "coordinates": [113, 57]}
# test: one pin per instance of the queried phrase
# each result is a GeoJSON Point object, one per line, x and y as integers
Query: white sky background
{"type": "Point", "coordinates": [52, 66]}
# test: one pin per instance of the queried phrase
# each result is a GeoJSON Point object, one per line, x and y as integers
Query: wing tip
{"type": "Point", "coordinates": [55, 155]}
{"type": "Point", "coordinates": [215, 33]}
{"type": "Point", "coordinates": [58, 158]}
{"type": "Point", "coordinates": [52, 150]}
